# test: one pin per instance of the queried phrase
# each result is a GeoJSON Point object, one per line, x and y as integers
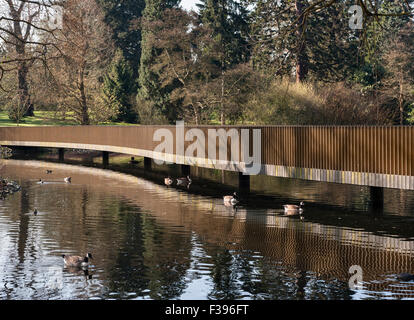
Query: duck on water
{"type": "Point", "coordinates": [293, 209]}
{"type": "Point", "coordinates": [77, 261]}
{"type": "Point", "coordinates": [231, 200]}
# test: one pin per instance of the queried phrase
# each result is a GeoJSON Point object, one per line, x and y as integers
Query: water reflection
{"type": "Point", "coordinates": [154, 242]}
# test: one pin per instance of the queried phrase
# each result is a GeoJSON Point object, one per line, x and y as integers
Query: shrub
{"type": "Point", "coordinates": [288, 103]}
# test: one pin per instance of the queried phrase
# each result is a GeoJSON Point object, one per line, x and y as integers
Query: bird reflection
{"type": "Point", "coordinates": [185, 182]}
{"type": "Point", "coordinates": [233, 207]}
{"type": "Point", "coordinates": [79, 271]}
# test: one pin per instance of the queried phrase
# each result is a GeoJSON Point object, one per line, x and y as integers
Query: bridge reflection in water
{"type": "Point", "coordinates": [304, 247]}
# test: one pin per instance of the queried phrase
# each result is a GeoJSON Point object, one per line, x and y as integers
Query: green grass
{"type": "Point", "coordinates": [47, 118]}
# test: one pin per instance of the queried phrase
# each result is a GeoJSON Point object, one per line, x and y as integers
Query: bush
{"type": "Point", "coordinates": [288, 103]}
{"type": "Point", "coordinates": [284, 103]}
{"type": "Point", "coordinates": [16, 109]}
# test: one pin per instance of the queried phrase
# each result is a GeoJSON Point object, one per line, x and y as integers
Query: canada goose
{"type": "Point", "coordinates": [184, 181]}
{"type": "Point", "coordinates": [168, 181]}
{"type": "Point", "coordinates": [49, 171]}
{"type": "Point", "coordinates": [68, 180]}
{"type": "Point", "coordinates": [293, 209]}
{"type": "Point", "coordinates": [77, 261]}
{"type": "Point", "coordinates": [405, 277]}
{"type": "Point", "coordinates": [231, 200]}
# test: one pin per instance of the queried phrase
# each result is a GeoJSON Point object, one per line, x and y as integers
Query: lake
{"type": "Point", "coordinates": [150, 241]}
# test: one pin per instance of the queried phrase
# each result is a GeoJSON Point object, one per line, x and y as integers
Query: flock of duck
{"type": "Point", "coordinates": [233, 200]}
{"type": "Point", "coordinates": [8, 187]}
{"type": "Point", "coordinates": [229, 200]}
{"type": "Point", "coordinates": [67, 179]}
{"type": "Point", "coordinates": [74, 261]}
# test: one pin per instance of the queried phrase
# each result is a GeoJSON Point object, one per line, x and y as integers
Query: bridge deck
{"type": "Point", "coordinates": [380, 156]}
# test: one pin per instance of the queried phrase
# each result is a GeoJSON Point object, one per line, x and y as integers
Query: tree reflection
{"type": "Point", "coordinates": [144, 263]}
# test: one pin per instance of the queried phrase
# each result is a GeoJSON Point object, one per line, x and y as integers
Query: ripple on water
{"type": "Point", "coordinates": [153, 242]}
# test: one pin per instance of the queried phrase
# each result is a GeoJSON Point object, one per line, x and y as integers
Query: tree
{"type": "Point", "coordinates": [312, 39]}
{"type": "Point", "coordinates": [302, 60]}
{"type": "Point", "coordinates": [85, 48]}
{"type": "Point", "coordinates": [20, 21]}
{"type": "Point", "coordinates": [398, 82]}
{"type": "Point", "coordinates": [151, 94]}
{"type": "Point", "coordinates": [228, 20]}
{"type": "Point", "coordinates": [319, 46]}
{"type": "Point", "coordinates": [188, 60]}
{"type": "Point", "coordinates": [181, 62]}
{"type": "Point", "coordinates": [119, 88]}
{"type": "Point", "coordinates": [120, 16]}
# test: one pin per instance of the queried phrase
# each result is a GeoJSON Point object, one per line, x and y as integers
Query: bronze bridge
{"type": "Point", "coordinates": [376, 156]}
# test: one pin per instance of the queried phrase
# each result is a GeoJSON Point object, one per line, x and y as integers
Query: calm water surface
{"type": "Point", "coordinates": [154, 242]}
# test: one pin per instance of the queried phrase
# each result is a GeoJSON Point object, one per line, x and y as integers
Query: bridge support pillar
{"type": "Point", "coordinates": [376, 204]}
{"type": "Point", "coordinates": [244, 183]}
{"type": "Point", "coordinates": [105, 158]}
{"type": "Point", "coordinates": [61, 154]}
{"type": "Point", "coordinates": [185, 170]}
{"type": "Point", "coordinates": [147, 163]}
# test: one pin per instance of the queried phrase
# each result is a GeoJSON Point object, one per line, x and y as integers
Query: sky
{"type": "Point", "coordinates": [189, 4]}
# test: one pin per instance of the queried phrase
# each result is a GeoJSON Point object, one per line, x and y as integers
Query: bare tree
{"type": "Point", "coordinates": [21, 22]}
{"type": "Point", "coordinates": [85, 47]}
{"type": "Point", "coordinates": [188, 64]}
{"type": "Point", "coordinates": [399, 63]}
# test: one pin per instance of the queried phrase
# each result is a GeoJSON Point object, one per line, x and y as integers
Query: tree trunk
{"type": "Point", "coordinates": [24, 97]}
{"type": "Point", "coordinates": [222, 120]}
{"type": "Point", "coordinates": [22, 68]}
{"type": "Point", "coordinates": [301, 56]}
{"type": "Point", "coordinates": [196, 115]}
{"type": "Point", "coordinates": [83, 102]}
{"type": "Point", "coordinates": [401, 103]}
{"type": "Point", "coordinates": [23, 88]}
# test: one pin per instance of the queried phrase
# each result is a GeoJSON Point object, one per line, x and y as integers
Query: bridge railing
{"type": "Point", "coordinates": [366, 155]}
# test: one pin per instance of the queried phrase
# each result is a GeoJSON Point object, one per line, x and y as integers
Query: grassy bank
{"type": "Point", "coordinates": [47, 118]}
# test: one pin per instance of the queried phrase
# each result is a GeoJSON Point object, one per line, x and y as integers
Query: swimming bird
{"type": "Point", "coordinates": [77, 261]}
{"type": "Point", "coordinates": [40, 181]}
{"type": "Point", "coordinates": [405, 277]}
{"type": "Point", "coordinates": [35, 212]}
{"type": "Point", "coordinates": [184, 181]}
{"type": "Point", "coordinates": [231, 200]}
{"type": "Point", "coordinates": [68, 180]}
{"type": "Point", "coordinates": [293, 209]}
{"type": "Point", "coordinates": [49, 171]}
{"type": "Point", "coordinates": [168, 181]}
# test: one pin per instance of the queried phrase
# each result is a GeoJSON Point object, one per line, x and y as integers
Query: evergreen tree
{"type": "Point", "coordinates": [121, 82]}
{"type": "Point", "coordinates": [229, 22]}
{"type": "Point", "coordinates": [332, 47]}
{"type": "Point", "coordinates": [152, 93]}
{"type": "Point", "coordinates": [119, 88]}
{"type": "Point", "coordinates": [121, 15]}
{"type": "Point", "coordinates": [322, 47]}
{"type": "Point", "coordinates": [272, 45]}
